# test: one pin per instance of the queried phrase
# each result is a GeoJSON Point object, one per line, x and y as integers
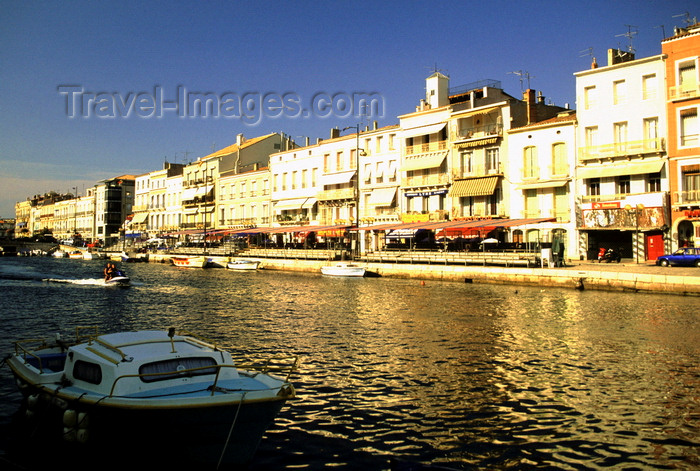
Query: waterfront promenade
{"type": "Point", "coordinates": [627, 276]}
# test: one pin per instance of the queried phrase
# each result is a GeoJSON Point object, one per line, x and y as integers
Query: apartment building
{"type": "Point", "coordinates": [200, 179]}
{"type": "Point", "coordinates": [542, 163]}
{"type": "Point", "coordinates": [683, 80]}
{"type": "Point", "coordinates": [243, 199]}
{"type": "Point", "coordinates": [114, 198]}
{"type": "Point", "coordinates": [622, 171]}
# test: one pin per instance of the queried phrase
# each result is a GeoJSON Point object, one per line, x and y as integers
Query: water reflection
{"type": "Point", "coordinates": [472, 376]}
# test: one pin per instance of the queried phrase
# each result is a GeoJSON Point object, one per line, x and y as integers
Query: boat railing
{"type": "Point", "coordinates": [26, 347]}
{"type": "Point", "coordinates": [266, 367]}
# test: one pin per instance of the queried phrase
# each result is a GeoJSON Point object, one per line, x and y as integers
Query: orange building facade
{"type": "Point", "coordinates": [682, 52]}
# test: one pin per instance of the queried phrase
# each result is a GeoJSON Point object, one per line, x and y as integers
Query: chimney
{"type": "Point", "coordinates": [374, 125]}
{"type": "Point", "coordinates": [240, 139]}
{"type": "Point", "coordinates": [335, 132]}
{"type": "Point", "coordinates": [307, 141]}
{"type": "Point", "coordinates": [529, 98]}
{"type": "Point", "coordinates": [594, 64]}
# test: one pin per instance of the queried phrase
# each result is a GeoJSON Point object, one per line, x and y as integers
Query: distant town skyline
{"type": "Point", "coordinates": [90, 91]}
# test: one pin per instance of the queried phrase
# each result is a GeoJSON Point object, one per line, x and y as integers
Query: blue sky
{"type": "Point", "coordinates": [289, 52]}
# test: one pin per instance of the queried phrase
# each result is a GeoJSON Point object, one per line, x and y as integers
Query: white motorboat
{"type": "Point", "coordinates": [76, 255]}
{"type": "Point", "coordinates": [243, 264]}
{"type": "Point", "coordinates": [190, 262]}
{"type": "Point", "coordinates": [344, 269]}
{"type": "Point", "coordinates": [152, 390]}
{"type": "Point", "coordinates": [59, 254]}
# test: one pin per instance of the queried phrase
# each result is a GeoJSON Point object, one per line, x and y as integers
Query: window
{"type": "Point", "coordinates": [654, 182]}
{"type": "Point", "coordinates": [589, 97]}
{"type": "Point", "coordinates": [620, 136]}
{"type": "Point", "coordinates": [649, 87]}
{"type": "Point", "coordinates": [465, 162]}
{"type": "Point", "coordinates": [689, 127]}
{"type": "Point", "coordinates": [304, 177]}
{"type": "Point", "coordinates": [88, 372]}
{"type": "Point", "coordinates": [687, 77]}
{"type": "Point", "coordinates": [559, 164]}
{"type": "Point", "coordinates": [530, 169]}
{"type": "Point", "coordinates": [531, 206]}
{"type": "Point", "coordinates": [591, 136]}
{"type": "Point", "coordinates": [492, 165]}
{"type": "Point", "coordinates": [619, 92]}
{"type": "Point", "coordinates": [177, 368]}
{"type": "Point", "coordinates": [623, 185]}
{"type": "Point", "coordinates": [593, 187]}
{"type": "Point", "coordinates": [651, 133]}
{"type": "Point", "coordinates": [691, 183]}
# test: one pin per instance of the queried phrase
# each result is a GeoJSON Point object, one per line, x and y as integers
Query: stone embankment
{"type": "Point", "coordinates": [626, 276]}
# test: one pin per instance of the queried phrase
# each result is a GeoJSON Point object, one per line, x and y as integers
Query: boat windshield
{"type": "Point", "coordinates": [176, 368]}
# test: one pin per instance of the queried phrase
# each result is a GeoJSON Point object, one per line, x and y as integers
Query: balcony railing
{"type": "Point", "coordinates": [426, 147]}
{"type": "Point", "coordinates": [645, 146]}
{"type": "Point", "coordinates": [337, 194]}
{"type": "Point", "coordinates": [686, 197]}
{"type": "Point", "coordinates": [684, 91]}
{"type": "Point", "coordinates": [478, 171]}
{"type": "Point", "coordinates": [426, 180]}
{"type": "Point", "coordinates": [477, 132]}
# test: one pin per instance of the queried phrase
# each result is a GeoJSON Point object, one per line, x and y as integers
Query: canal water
{"type": "Point", "coordinates": [397, 373]}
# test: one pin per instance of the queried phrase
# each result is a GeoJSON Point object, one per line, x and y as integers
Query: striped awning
{"type": "Point", "coordinates": [615, 170]}
{"type": "Point", "coordinates": [382, 197]}
{"type": "Point", "coordinates": [480, 186]}
{"type": "Point", "coordinates": [423, 130]}
{"type": "Point", "coordinates": [424, 161]}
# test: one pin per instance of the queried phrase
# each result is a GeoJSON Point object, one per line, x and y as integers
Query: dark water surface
{"type": "Point", "coordinates": [466, 376]}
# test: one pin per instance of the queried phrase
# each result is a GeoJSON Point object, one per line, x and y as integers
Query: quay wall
{"type": "Point", "coordinates": [626, 280]}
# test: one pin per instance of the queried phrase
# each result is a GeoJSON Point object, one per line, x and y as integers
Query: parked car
{"type": "Point", "coordinates": [683, 257]}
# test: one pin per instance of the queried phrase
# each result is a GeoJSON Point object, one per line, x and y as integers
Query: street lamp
{"type": "Point", "coordinates": [356, 190]}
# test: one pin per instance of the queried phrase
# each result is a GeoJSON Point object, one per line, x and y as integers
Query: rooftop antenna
{"type": "Point", "coordinates": [522, 74]}
{"type": "Point", "coordinates": [686, 19]}
{"type": "Point", "coordinates": [629, 35]}
{"type": "Point", "coordinates": [663, 31]}
{"type": "Point", "coordinates": [435, 70]}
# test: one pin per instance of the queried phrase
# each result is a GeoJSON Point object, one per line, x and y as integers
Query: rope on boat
{"type": "Point", "coordinates": [230, 432]}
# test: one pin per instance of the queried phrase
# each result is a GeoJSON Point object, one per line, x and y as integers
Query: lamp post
{"type": "Point", "coordinates": [356, 190]}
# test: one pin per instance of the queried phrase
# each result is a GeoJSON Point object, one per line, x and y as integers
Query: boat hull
{"type": "Point", "coordinates": [202, 434]}
{"type": "Point", "coordinates": [243, 265]}
{"type": "Point", "coordinates": [190, 262]}
{"type": "Point", "coordinates": [343, 271]}
{"type": "Point", "coordinates": [118, 281]}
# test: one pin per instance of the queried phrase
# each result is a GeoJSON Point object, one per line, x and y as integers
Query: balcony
{"type": "Point", "coordinates": [337, 194]}
{"type": "Point", "coordinates": [426, 180]}
{"type": "Point", "coordinates": [480, 170]}
{"type": "Point", "coordinates": [686, 197]}
{"type": "Point", "coordinates": [620, 149]}
{"type": "Point", "coordinates": [681, 92]}
{"type": "Point", "coordinates": [426, 147]}
{"type": "Point", "coordinates": [480, 132]}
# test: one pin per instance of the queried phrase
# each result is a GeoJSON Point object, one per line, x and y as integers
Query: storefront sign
{"type": "Point", "coordinates": [606, 205]}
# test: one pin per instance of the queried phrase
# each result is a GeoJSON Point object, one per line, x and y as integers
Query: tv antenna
{"type": "Point", "coordinates": [435, 70]}
{"type": "Point", "coordinates": [663, 31]}
{"type": "Point", "coordinates": [523, 75]}
{"type": "Point", "coordinates": [629, 35]}
{"type": "Point", "coordinates": [686, 19]}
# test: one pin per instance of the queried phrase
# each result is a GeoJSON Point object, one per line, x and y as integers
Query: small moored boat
{"type": "Point", "coordinates": [152, 390]}
{"type": "Point", "coordinates": [344, 269]}
{"type": "Point", "coordinates": [190, 262]}
{"type": "Point", "coordinates": [243, 264]}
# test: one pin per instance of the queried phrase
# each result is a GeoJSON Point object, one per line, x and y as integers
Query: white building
{"type": "Point", "coordinates": [622, 173]}
{"type": "Point", "coordinates": [541, 166]}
